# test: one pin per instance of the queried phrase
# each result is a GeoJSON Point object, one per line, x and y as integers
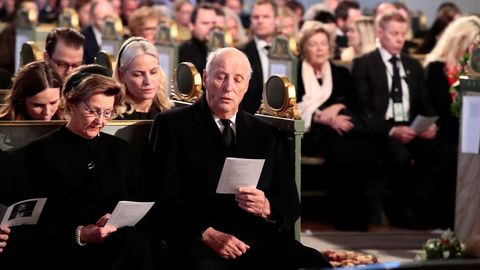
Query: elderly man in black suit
{"type": "Point", "coordinates": [391, 94]}
{"type": "Point", "coordinates": [263, 20]}
{"type": "Point", "coordinates": [251, 229]}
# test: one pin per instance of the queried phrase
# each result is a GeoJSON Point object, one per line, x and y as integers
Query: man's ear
{"type": "Point", "coordinates": [46, 57]}
{"type": "Point", "coordinates": [204, 78]}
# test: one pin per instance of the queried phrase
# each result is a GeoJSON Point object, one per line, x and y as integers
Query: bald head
{"type": "Point", "coordinates": [226, 78]}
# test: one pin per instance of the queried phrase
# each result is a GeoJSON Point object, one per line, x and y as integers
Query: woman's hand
{"type": "Point", "coordinates": [4, 232]}
{"type": "Point", "coordinates": [98, 232]}
{"type": "Point", "coordinates": [342, 124]}
{"type": "Point", "coordinates": [327, 115]}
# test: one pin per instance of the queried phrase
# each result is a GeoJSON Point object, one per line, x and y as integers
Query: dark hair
{"type": "Point", "coordinates": [431, 35]}
{"type": "Point", "coordinates": [90, 80]}
{"type": "Point", "coordinates": [341, 12]}
{"type": "Point", "coordinates": [448, 11]}
{"type": "Point", "coordinates": [69, 36]}
{"type": "Point", "coordinates": [77, 77]}
{"type": "Point", "coordinates": [207, 6]}
{"type": "Point", "coordinates": [30, 80]}
{"type": "Point", "coordinates": [295, 5]}
{"type": "Point", "coordinates": [267, 2]}
{"type": "Point", "coordinates": [324, 16]}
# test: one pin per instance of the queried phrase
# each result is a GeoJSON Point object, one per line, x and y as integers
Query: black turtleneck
{"type": "Point", "coordinates": [83, 179]}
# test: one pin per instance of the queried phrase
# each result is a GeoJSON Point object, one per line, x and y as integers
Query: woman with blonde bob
{"type": "Point", "coordinates": [144, 81]}
{"type": "Point", "coordinates": [442, 70]}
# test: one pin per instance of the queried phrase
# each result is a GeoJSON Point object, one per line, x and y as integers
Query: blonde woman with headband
{"type": "Point", "coordinates": [144, 81]}
{"type": "Point", "coordinates": [443, 66]}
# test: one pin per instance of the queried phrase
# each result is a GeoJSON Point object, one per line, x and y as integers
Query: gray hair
{"type": "Point", "coordinates": [219, 52]}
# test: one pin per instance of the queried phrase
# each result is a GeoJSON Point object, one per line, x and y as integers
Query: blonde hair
{"type": "Point", "coordinates": [366, 30]}
{"type": "Point", "coordinates": [285, 12]}
{"type": "Point", "coordinates": [311, 28]}
{"type": "Point", "coordinates": [456, 38]}
{"type": "Point", "coordinates": [130, 49]}
{"type": "Point", "coordinates": [241, 33]}
{"type": "Point", "coordinates": [138, 17]}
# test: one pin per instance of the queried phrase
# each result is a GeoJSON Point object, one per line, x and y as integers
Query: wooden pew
{"type": "Point", "coordinates": [15, 134]}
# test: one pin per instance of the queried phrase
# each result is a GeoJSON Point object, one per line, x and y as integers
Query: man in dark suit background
{"type": "Point", "coordinates": [391, 94]}
{"type": "Point", "coordinates": [263, 19]}
{"type": "Point", "coordinates": [195, 49]}
{"type": "Point", "coordinates": [346, 13]}
{"type": "Point", "coordinates": [248, 230]}
{"type": "Point", "coordinates": [93, 33]}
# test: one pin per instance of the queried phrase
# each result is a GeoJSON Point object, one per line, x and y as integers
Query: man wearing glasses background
{"type": "Point", "coordinates": [64, 50]}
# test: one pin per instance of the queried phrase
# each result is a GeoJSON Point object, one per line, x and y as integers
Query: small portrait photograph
{"type": "Point", "coordinates": [23, 210]}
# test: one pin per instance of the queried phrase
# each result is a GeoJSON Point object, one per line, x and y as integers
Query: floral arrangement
{"type": "Point", "coordinates": [446, 246]}
{"type": "Point", "coordinates": [454, 82]}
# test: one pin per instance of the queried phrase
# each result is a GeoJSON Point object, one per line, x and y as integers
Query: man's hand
{"type": "Point", "coordinates": [96, 234]}
{"type": "Point", "coordinates": [225, 245]}
{"type": "Point", "coordinates": [4, 232]}
{"type": "Point", "coordinates": [403, 133]}
{"type": "Point", "coordinates": [253, 201]}
{"type": "Point", "coordinates": [430, 133]}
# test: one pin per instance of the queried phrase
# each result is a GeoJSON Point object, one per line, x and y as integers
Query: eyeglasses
{"type": "Point", "coordinates": [107, 114]}
{"type": "Point", "coordinates": [64, 66]}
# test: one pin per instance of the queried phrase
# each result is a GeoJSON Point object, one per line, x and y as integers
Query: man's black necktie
{"type": "Point", "coordinates": [267, 48]}
{"type": "Point", "coordinates": [228, 135]}
{"type": "Point", "coordinates": [396, 91]}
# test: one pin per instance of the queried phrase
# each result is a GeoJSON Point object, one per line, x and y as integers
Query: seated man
{"type": "Point", "coordinates": [64, 50]}
{"type": "Point", "coordinates": [391, 93]}
{"type": "Point", "coordinates": [249, 230]}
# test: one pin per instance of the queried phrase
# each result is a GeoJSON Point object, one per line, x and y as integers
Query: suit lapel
{"type": "Point", "coordinates": [244, 135]}
{"type": "Point", "coordinates": [206, 128]}
{"type": "Point", "coordinates": [380, 69]}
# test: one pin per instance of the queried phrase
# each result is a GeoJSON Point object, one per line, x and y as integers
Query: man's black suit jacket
{"type": "Point", "coordinates": [188, 157]}
{"type": "Point", "coordinates": [193, 51]}
{"type": "Point", "coordinates": [90, 47]}
{"type": "Point", "coordinates": [253, 98]}
{"type": "Point", "coordinates": [373, 93]}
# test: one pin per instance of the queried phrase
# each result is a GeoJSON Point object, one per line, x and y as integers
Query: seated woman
{"type": "Point", "coordinates": [139, 70]}
{"type": "Point", "coordinates": [84, 173]}
{"type": "Point", "coordinates": [143, 22]}
{"type": "Point", "coordinates": [324, 91]}
{"type": "Point", "coordinates": [361, 39]}
{"type": "Point", "coordinates": [443, 66]}
{"type": "Point", "coordinates": [35, 94]}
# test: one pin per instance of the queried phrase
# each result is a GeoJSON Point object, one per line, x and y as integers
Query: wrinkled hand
{"type": "Point", "coordinates": [326, 116]}
{"type": "Point", "coordinates": [430, 133]}
{"type": "Point", "coordinates": [225, 245]}
{"type": "Point", "coordinates": [96, 234]}
{"type": "Point", "coordinates": [403, 133]}
{"type": "Point", "coordinates": [342, 124]}
{"type": "Point", "coordinates": [332, 110]}
{"type": "Point", "coordinates": [253, 201]}
{"type": "Point", "coordinates": [4, 232]}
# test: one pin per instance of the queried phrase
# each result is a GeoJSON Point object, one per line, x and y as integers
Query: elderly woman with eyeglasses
{"type": "Point", "coordinates": [84, 173]}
